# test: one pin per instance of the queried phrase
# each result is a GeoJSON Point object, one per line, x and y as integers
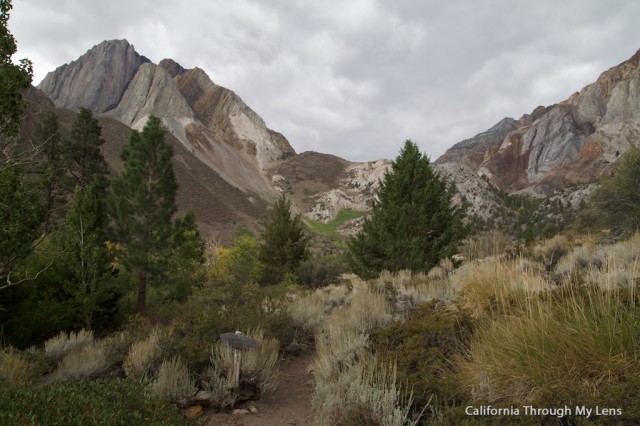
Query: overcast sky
{"type": "Point", "coordinates": [355, 78]}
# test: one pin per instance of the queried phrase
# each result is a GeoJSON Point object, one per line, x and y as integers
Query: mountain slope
{"type": "Point", "coordinates": [219, 207]}
{"type": "Point", "coordinates": [574, 141]}
{"type": "Point", "coordinates": [211, 122]}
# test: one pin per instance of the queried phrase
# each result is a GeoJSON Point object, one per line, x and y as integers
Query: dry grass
{"type": "Point", "coordinates": [85, 362]}
{"type": "Point", "coordinates": [258, 368]}
{"type": "Point", "coordinates": [494, 285]}
{"type": "Point", "coordinates": [13, 367]}
{"type": "Point", "coordinates": [362, 394]}
{"type": "Point", "coordinates": [142, 356]}
{"type": "Point", "coordinates": [63, 343]}
{"type": "Point", "coordinates": [174, 382]}
{"type": "Point", "coordinates": [583, 341]}
{"type": "Point", "coordinates": [348, 388]}
{"type": "Point", "coordinates": [310, 310]}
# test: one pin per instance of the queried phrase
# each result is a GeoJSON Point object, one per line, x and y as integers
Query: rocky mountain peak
{"type": "Point", "coordinates": [97, 80]}
{"type": "Point", "coordinates": [172, 67]}
{"type": "Point", "coordinates": [571, 142]}
{"type": "Point", "coordinates": [210, 121]}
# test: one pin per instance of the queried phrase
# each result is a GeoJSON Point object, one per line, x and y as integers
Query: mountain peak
{"type": "Point", "coordinates": [172, 67]}
{"type": "Point", "coordinates": [97, 80]}
{"type": "Point", "coordinates": [573, 141]}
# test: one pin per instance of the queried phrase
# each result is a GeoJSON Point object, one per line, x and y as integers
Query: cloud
{"type": "Point", "coordinates": [357, 78]}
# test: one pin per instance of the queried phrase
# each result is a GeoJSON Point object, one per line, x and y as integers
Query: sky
{"type": "Point", "coordinates": [356, 78]}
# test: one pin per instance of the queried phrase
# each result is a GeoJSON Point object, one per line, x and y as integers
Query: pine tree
{"type": "Point", "coordinates": [143, 205]}
{"type": "Point", "coordinates": [85, 262]}
{"type": "Point", "coordinates": [186, 257]}
{"type": "Point", "coordinates": [413, 223]}
{"type": "Point", "coordinates": [285, 244]}
{"type": "Point", "coordinates": [83, 150]}
{"type": "Point", "coordinates": [616, 202]}
{"type": "Point", "coordinates": [55, 165]}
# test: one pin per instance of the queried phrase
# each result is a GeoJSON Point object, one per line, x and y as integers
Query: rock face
{"type": "Point", "coordinates": [321, 185]}
{"type": "Point", "coordinates": [572, 142]}
{"type": "Point", "coordinates": [96, 80]}
{"type": "Point", "coordinates": [212, 122]}
{"type": "Point", "coordinates": [152, 91]}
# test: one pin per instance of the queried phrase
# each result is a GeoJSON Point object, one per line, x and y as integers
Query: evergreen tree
{"type": "Point", "coordinates": [83, 150]}
{"type": "Point", "coordinates": [285, 244]}
{"type": "Point", "coordinates": [21, 212]}
{"type": "Point", "coordinates": [143, 204]}
{"type": "Point", "coordinates": [616, 203]}
{"type": "Point", "coordinates": [186, 258]}
{"type": "Point", "coordinates": [55, 165]}
{"type": "Point", "coordinates": [14, 78]}
{"type": "Point", "coordinates": [413, 223]}
{"type": "Point", "coordinates": [86, 266]}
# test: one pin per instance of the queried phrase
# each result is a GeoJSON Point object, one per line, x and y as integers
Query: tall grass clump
{"type": "Point", "coordinates": [364, 395]}
{"type": "Point", "coordinates": [85, 362]}
{"type": "Point", "coordinates": [63, 343]}
{"type": "Point", "coordinates": [258, 367]}
{"type": "Point", "coordinates": [574, 345]}
{"type": "Point", "coordinates": [142, 356]}
{"type": "Point", "coordinates": [14, 369]}
{"type": "Point", "coordinates": [174, 381]}
{"type": "Point", "coordinates": [495, 286]}
{"type": "Point", "coordinates": [349, 388]}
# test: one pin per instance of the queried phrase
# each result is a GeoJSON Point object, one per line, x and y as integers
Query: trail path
{"type": "Point", "coordinates": [290, 405]}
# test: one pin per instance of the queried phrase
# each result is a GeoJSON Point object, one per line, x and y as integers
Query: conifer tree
{"type": "Point", "coordinates": [14, 78]}
{"type": "Point", "coordinates": [54, 168]}
{"type": "Point", "coordinates": [186, 257]}
{"type": "Point", "coordinates": [616, 202]}
{"type": "Point", "coordinates": [285, 244]}
{"type": "Point", "coordinates": [413, 223]}
{"type": "Point", "coordinates": [21, 213]}
{"type": "Point", "coordinates": [83, 150]}
{"type": "Point", "coordinates": [86, 263]}
{"type": "Point", "coordinates": [143, 204]}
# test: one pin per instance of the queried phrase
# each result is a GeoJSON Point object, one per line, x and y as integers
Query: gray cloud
{"type": "Point", "coordinates": [357, 78]}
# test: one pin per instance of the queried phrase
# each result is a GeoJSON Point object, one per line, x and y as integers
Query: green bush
{"type": "Point", "coordinates": [110, 402]}
{"type": "Point", "coordinates": [213, 310]}
{"type": "Point", "coordinates": [423, 346]}
{"type": "Point", "coordinates": [317, 272]}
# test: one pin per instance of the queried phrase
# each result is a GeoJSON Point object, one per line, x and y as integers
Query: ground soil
{"type": "Point", "coordinates": [289, 405]}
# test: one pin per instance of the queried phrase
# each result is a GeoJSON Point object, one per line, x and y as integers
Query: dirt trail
{"type": "Point", "coordinates": [290, 405]}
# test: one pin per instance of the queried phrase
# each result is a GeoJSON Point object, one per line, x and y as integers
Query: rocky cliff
{"type": "Point", "coordinates": [211, 122]}
{"type": "Point", "coordinates": [96, 80]}
{"type": "Point", "coordinates": [574, 141]}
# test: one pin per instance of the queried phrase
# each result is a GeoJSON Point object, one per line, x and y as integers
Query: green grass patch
{"type": "Point", "coordinates": [329, 229]}
{"type": "Point", "coordinates": [108, 402]}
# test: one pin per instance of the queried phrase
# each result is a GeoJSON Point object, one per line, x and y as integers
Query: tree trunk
{"type": "Point", "coordinates": [142, 292]}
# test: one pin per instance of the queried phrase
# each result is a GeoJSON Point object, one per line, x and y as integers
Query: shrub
{"type": "Point", "coordinates": [14, 369]}
{"type": "Point", "coordinates": [550, 251]}
{"type": "Point", "coordinates": [213, 310]}
{"type": "Point", "coordinates": [219, 384]}
{"type": "Point", "coordinates": [258, 367]}
{"type": "Point", "coordinates": [63, 343]}
{"type": "Point", "coordinates": [102, 402]}
{"type": "Point", "coordinates": [422, 347]}
{"type": "Point", "coordinates": [82, 363]}
{"type": "Point", "coordinates": [142, 356]}
{"type": "Point", "coordinates": [173, 381]}
{"type": "Point", "coordinates": [317, 272]}
{"type": "Point", "coordinates": [363, 395]}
